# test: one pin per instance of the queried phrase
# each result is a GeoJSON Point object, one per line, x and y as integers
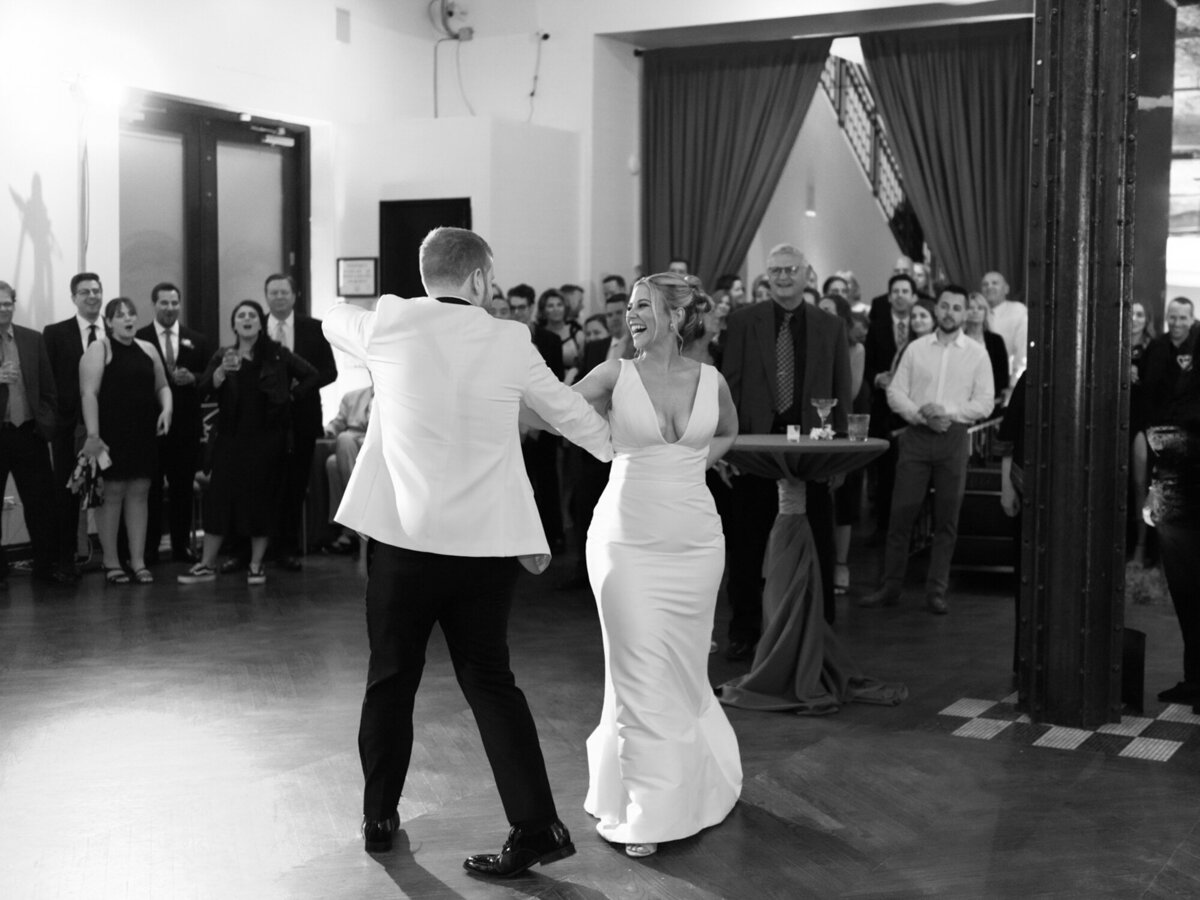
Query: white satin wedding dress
{"type": "Point", "coordinates": [663, 763]}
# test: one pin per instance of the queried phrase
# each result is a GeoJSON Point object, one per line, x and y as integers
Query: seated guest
{"type": "Point", "coordinates": [942, 385]}
{"type": "Point", "coordinates": [347, 429]}
{"type": "Point", "coordinates": [978, 328]}
{"type": "Point", "coordinates": [126, 402]}
{"type": "Point", "coordinates": [252, 380]}
{"type": "Point", "coordinates": [184, 354]}
{"type": "Point", "coordinates": [28, 400]}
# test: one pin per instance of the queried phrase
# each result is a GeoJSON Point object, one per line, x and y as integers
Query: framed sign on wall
{"type": "Point", "coordinates": [358, 276]}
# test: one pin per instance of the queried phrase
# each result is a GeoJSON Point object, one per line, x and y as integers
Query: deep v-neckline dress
{"type": "Point", "coordinates": [663, 763]}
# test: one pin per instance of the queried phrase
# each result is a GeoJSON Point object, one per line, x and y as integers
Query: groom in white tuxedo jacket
{"type": "Point", "coordinates": [441, 491]}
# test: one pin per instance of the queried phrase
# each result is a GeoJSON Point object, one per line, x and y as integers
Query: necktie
{"type": "Point", "coordinates": [169, 350]}
{"type": "Point", "coordinates": [4, 339]}
{"type": "Point", "coordinates": [901, 332]}
{"type": "Point", "coordinates": [279, 332]}
{"type": "Point", "coordinates": [785, 365]}
{"type": "Point", "coordinates": [91, 335]}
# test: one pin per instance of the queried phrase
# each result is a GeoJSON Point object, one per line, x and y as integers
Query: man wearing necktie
{"type": "Point", "coordinates": [303, 336]}
{"type": "Point", "coordinates": [28, 401]}
{"type": "Point", "coordinates": [65, 343]}
{"type": "Point", "coordinates": [184, 354]}
{"type": "Point", "coordinates": [778, 356]}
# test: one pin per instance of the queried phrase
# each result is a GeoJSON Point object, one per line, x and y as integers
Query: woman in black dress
{"type": "Point", "coordinates": [253, 382]}
{"type": "Point", "coordinates": [1141, 333]}
{"type": "Point", "coordinates": [126, 402]}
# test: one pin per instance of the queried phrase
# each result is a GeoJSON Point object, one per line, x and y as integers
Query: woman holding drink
{"type": "Point", "coordinates": [252, 381]}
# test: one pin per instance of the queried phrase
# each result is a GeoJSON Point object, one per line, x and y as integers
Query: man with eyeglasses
{"type": "Point", "coordinates": [28, 403]}
{"type": "Point", "coordinates": [65, 343]}
{"type": "Point", "coordinates": [778, 356]}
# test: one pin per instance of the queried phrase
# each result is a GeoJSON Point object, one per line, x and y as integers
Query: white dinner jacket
{"type": "Point", "coordinates": [440, 469]}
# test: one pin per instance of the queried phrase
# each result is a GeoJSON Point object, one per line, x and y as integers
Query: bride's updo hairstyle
{"type": "Point", "coordinates": [681, 292]}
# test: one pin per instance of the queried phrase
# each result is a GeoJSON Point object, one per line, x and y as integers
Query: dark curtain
{"type": "Point", "coordinates": [955, 101]}
{"type": "Point", "coordinates": [718, 125]}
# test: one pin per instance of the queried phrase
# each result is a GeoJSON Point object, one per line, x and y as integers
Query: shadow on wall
{"type": "Point", "coordinates": [35, 301]}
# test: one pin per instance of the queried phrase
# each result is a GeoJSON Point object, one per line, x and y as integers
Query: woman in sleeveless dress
{"type": "Point", "coordinates": [663, 763]}
{"type": "Point", "coordinates": [126, 402]}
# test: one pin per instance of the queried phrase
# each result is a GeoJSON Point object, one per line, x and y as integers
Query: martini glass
{"type": "Point", "coordinates": [824, 407]}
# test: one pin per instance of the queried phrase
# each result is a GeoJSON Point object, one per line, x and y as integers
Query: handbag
{"type": "Point", "coordinates": [87, 482]}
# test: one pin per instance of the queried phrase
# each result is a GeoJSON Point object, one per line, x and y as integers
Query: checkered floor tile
{"type": "Point", "coordinates": [1170, 735]}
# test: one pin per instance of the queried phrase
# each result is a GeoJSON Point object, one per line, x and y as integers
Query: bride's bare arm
{"type": "Point", "coordinates": [598, 386]}
{"type": "Point", "coordinates": [727, 423]}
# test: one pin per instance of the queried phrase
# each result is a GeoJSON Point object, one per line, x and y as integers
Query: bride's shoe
{"type": "Point", "coordinates": [640, 850]}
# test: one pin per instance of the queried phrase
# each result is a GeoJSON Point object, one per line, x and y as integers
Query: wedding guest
{"type": "Point", "coordinates": [942, 385]}
{"type": "Point", "coordinates": [612, 284]}
{"type": "Point", "coordinates": [978, 328]}
{"type": "Point", "coordinates": [348, 429]}
{"type": "Point", "coordinates": [552, 316]}
{"type": "Point", "coordinates": [126, 401]}
{"type": "Point", "coordinates": [65, 343]}
{"type": "Point", "coordinates": [184, 354]}
{"type": "Point", "coordinates": [252, 379]}
{"type": "Point", "coordinates": [1141, 333]}
{"type": "Point", "coordinates": [301, 336]}
{"type": "Point", "coordinates": [28, 403]}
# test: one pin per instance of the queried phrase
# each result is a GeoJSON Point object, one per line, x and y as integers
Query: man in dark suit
{"type": "Point", "coordinates": [184, 354]}
{"type": "Point", "coordinates": [303, 336]}
{"type": "Point", "coordinates": [771, 392]}
{"type": "Point", "coordinates": [28, 404]}
{"type": "Point", "coordinates": [65, 343]}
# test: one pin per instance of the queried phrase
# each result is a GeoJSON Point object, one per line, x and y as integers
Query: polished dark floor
{"type": "Point", "coordinates": [179, 742]}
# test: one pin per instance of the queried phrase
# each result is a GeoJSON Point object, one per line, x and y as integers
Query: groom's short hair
{"type": "Point", "coordinates": [450, 255]}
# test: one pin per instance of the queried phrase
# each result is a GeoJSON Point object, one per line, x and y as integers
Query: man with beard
{"type": "Point", "coordinates": [942, 384]}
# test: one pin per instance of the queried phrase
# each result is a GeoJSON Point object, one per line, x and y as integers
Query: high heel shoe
{"type": "Point", "coordinates": [639, 850]}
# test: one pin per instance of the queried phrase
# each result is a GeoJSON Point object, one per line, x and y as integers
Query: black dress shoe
{"type": "Point", "coordinates": [1185, 692]}
{"type": "Point", "coordinates": [522, 850]}
{"type": "Point", "coordinates": [377, 833]}
{"type": "Point", "coordinates": [740, 651]}
{"type": "Point", "coordinates": [291, 563]}
{"type": "Point", "coordinates": [936, 605]}
{"type": "Point", "coordinates": [55, 576]}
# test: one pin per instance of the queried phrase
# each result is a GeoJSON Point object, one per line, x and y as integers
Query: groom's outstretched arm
{"type": "Point", "coordinates": [565, 410]}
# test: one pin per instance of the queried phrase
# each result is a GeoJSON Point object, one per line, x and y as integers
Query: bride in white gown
{"type": "Point", "coordinates": [663, 763]}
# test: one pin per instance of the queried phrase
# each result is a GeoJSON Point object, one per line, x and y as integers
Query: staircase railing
{"type": "Point", "coordinates": [846, 86]}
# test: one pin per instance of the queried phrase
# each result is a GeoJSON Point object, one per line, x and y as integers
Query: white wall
{"type": "Point", "coordinates": [848, 231]}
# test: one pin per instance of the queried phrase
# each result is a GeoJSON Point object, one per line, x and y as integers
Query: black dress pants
{"type": "Point", "coordinates": [24, 453]}
{"type": "Point", "coordinates": [470, 597]}
{"type": "Point", "coordinates": [66, 504]}
{"type": "Point", "coordinates": [178, 458]}
{"type": "Point", "coordinates": [293, 491]}
{"type": "Point", "coordinates": [1179, 549]}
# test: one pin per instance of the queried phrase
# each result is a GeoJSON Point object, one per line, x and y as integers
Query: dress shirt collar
{"type": "Point", "coordinates": [163, 329]}
{"type": "Point", "coordinates": [959, 339]}
{"type": "Point", "coordinates": [84, 325]}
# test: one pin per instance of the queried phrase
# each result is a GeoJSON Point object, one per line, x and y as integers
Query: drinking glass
{"type": "Point", "coordinates": [824, 407]}
{"type": "Point", "coordinates": [857, 426]}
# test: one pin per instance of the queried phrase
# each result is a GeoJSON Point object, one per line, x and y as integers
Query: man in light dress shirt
{"type": "Point", "coordinates": [441, 492]}
{"type": "Point", "coordinates": [1010, 320]}
{"type": "Point", "coordinates": [302, 335]}
{"type": "Point", "coordinates": [943, 383]}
